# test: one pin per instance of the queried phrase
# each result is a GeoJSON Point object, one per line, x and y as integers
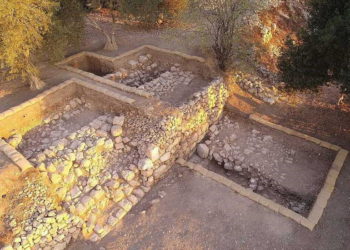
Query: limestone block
{"type": "Point", "coordinates": [152, 152]}
{"type": "Point", "coordinates": [203, 150]}
{"type": "Point", "coordinates": [116, 130]}
{"type": "Point", "coordinates": [147, 173]}
{"type": "Point", "coordinates": [112, 221]}
{"type": "Point", "coordinates": [133, 199]}
{"type": "Point", "coordinates": [165, 157]}
{"type": "Point", "coordinates": [143, 59]}
{"type": "Point", "coordinates": [139, 193]}
{"type": "Point", "coordinates": [125, 204]}
{"type": "Point", "coordinates": [133, 64]}
{"type": "Point", "coordinates": [118, 195]}
{"type": "Point", "coordinates": [64, 168]}
{"type": "Point", "coordinates": [98, 229]}
{"type": "Point", "coordinates": [160, 171]}
{"type": "Point", "coordinates": [119, 213]}
{"type": "Point", "coordinates": [97, 195]}
{"type": "Point", "coordinates": [119, 145]}
{"type": "Point", "coordinates": [128, 175]}
{"type": "Point", "coordinates": [55, 178]}
{"type": "Point", "coordinates": [145, 164]}
{"type": "Point", "coordinates": [15, 140]}
{"type": "Point", "coordinates": [127, 189]}
{"type": "Point", "coordinates": [87, 201]}
{"type": "Point", "coordinates": [112, 184]}
{"type": "Point", "coordinates": [108, 144]}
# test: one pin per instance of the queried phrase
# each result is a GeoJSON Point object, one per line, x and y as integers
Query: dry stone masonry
{"type": "Point", "coordinates": [151, 76]}
{"type": "Point", "coordinates": [93, 161]}
{"type": "Point", "coordinates": [257, 88]}
{"type": "Point", "coordinates": [256, 160]}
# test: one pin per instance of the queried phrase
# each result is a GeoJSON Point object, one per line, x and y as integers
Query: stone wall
{"type": "Point", "coordinates": [256, 87]}
{"type": "Point", "coordinates": [22, 118]}
{"type": "Point", "coordinates": [174, 136]}
{"type": "Point", "coordinates": [78, 192]}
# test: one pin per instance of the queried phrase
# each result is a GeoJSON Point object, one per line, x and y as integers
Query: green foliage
{"type": "Point", "coordinates": [66, 30]}
{"type": "Point", "coordinates": [226, 27]}
{"type": "Point", "coordinates": [323, 53]}
{"type": "Point", "coordinates": [145, 11]}
{"type": "Point", "coordinates": [23, 23]}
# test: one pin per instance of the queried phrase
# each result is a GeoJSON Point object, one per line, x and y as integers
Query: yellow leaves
{"type": "Point", "coordinates": [23, 23]}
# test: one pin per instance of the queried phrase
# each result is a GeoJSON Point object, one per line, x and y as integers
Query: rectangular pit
{"type": "Point", "coordinates": [283, 168]}
{"type": "Point", "coordinates": [170, 76]}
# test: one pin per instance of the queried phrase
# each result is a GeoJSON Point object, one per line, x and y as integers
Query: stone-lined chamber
{"type": "Point", "coordinates": [147, 71]}
{"type": "Point", "coordinates": [85, 177]}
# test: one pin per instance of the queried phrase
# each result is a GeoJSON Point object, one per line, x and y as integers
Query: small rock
{"type": "Point", "coordinates": [118, 120]}
{"type": "Point", "coordinates": [116, 130]}
{"type": "Point", "coordinates": [145, 164]}
{"type": "Point", "coordinates": [237, 168]}
{"type": "Point", "coordinates": [153, 152]}
{"type": "Point", "coordinates": [133, 64]}
{"type": "Point", "coordinates": [161, 194]}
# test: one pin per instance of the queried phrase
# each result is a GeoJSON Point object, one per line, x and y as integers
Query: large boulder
{"type": "Point", "coordinates": [203, 150]}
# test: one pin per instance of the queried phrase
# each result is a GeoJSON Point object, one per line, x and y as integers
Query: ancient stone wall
{"type": "Point", "coordinates": [92, 177]}
{"type": "Point", "coordinates": [22, 118]}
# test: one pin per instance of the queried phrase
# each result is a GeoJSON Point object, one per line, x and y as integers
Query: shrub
{"type": "Point", "coordinates": [323, 54]}
{"type": "Point", "coordinates": [225, 26]}
{"type": "Point", "coordinates": [175, 7]}
{"type": "Point", "coordinates": [145, 11]}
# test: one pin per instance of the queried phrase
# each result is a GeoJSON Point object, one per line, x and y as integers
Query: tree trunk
{"type": "Point", "coordinates": [341, 100]}
{"type": "Point", "coordinates": [35, 82]}
{"type": "Point", "coordinates": [111, 43]}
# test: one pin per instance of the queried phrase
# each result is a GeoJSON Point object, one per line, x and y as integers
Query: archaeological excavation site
{"type": "Point", "coordinates": [75, 159]}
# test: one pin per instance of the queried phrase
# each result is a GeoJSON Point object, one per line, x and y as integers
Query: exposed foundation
{"type": "Point", "coordinates": [89, 154]}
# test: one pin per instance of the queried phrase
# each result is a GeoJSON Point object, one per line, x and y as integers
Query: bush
{"type": "Point", "coordinates": [323, 54]}
{"type": "Point", "coordinates": [66, 30]}
{"type": "Point", "coordinates": [225, 27]}
{"type": "Point", "coordinates": [145, 11]}
{"type": "Point", "coordinates": [175, 7]}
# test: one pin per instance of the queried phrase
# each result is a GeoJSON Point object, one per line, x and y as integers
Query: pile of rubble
{"type": "Point", "coordinates": [43, 222]}
{"type": "Point", "coordinates": [149, 75]}
{"type": "Point", "coordinates": [168, 81]}
{"type": "Point", "coordinates": [221, 146]}
{"type": "Point", "coordinates": [255, 86]}
{"type": "Point", "coordinates": [52, 130]}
